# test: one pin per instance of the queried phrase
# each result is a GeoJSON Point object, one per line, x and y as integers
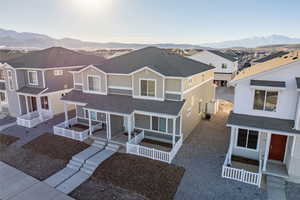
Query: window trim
{"type": "Point", "coordinates": [10, 80]}
{"type": "Point", "coordinates": [100, 85]}
{"type": "Point", "coordinates": [246, 148]}
{"type": "Point", "coordinates": [140, 88]}
{"type": "Point", "coordinates": [265, 99]}
{"type": "Point", "coordinates": [36, 74]}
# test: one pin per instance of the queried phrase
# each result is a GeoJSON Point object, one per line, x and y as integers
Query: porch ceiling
{"type": "Point", "coordinates": [123, 104]}
{"type": "Point", "coordinates": [265, 123]}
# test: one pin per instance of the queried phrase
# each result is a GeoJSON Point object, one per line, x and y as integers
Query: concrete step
{"type": "Point", "coordinates": [112, 147]}
{"type": "Point", "coordinates": [72, 183]}
{"type": "Point", "coordinates": [88, 171]}
{"type": "Point", "coordinates": [60, 176]}
{"type": "Point", "coordinates": [87, 153]}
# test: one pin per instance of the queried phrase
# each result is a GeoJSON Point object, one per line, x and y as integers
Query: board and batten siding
{"type": "Point", "coordinates": [77, 77]}
{"type": "Point", "coordinates": [22, 75]}
{"type": "Point", "coordinates": [197, 79]}
{"type": "Point", "coordinates": [147, 74]}
{"type": "Point", "coordinates": [64, 81]}
{"type": "Point", "coordinates": [93, 72]}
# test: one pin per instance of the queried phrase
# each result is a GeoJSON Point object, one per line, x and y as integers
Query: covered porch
{"type": "Point", "coordinates": [35, 107]}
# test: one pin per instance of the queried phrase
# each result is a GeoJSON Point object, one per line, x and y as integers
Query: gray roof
{"type": "Point", "coordinates": [272, 56]}
{"type": "Point", "coordinates": [123, 104]}
{"type": "Point", "coordinates": [54, 57]}
{"type": "Point", "coordinates": [266, 83]}
{"type": "Point", "coordinates": [160, 60]}
{"type": "Point", "coordinates": [224, 55]}
{"type": "Point", "coordinates": [265, 123]}
{"type": "Point", "coordinates": [30, 90]}
{"type": "Point", "coordinates": [298, 82]}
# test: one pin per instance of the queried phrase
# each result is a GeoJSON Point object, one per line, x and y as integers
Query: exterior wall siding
{"type": "Point", "coordinates": [12, 97]}
{"type": "Point", "coordinates": [142, 121]}
{"type": "Point", "coordinates": [119, 81]}
{"type": "Point", "coordinates": [119, 91]}
{"type": "Point", "coordinates": [173, 85]}
{"type": "Point", "coordinates": [197, 79]}
{"type": "Point", "coordinates": [65, 81]}
{"type": "Point", "coordinates": [175, 97]}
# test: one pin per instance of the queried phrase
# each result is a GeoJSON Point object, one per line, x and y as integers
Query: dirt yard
{"type": "Point", "coordinates": [149, 178]}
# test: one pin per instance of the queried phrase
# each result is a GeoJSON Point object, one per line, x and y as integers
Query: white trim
{"type": "Point", "coordinates": [35, 82]}
{"type": "Point", "coordinates": [196, 86]}
{"type": "Point", "coordinates": [286, 146]}
{"type": "Point", "coordinates": [154, 114]}
{"type": "Point", "coordinates": [89, 66]}
{"type": "Point", "coordinates": [10, 81]}
{"type": "Point", "coordinates": [120, 87]}
{"type": "Point", "coordinates": [146, 67]}
{"type": "Point", "coordinates": [100, 85]}
{"type": "Point", "coordinates": [293, 145]}
{"type": "Point", "coordinates": [49, 68]}
{"type": "Point", "coordinates": [140, 88]}
{"type": "Point", "coordinates": [19, 103]}
{"type": "Point", "coordinates": [270, 88]}
{"type": "Point", "coordinates": [74, 102]}
{"type": "Point", "coordinates": [173, 92]}
{"type": "Point", "coordinates": [44, 81]}
{"type": "Point", "coordinates": [265, 99]}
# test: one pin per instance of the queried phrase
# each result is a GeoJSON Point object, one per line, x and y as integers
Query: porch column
{"type": "Point", "coordinates": [129, 118]}
{"type": "Point", "coordinates": [90, 123]}
{"type": "Point", "coordinates": [109, 127]}
{"type": "Point", "coordinates": [27, 106]}
{"type": "Point", "coordinates": [174, 132]}
{"type": "Point", "coordinates": [39, 106]}
{"type": "Point", "coordinates": [232, 137]}
{"type": "Point", "coordinates": [66, 115]}
{"type": "Point", "coordinates": [267, 149]}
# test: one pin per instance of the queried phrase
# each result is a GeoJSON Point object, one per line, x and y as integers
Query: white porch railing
{"type": "Point", "coordinates": [241, 174]}
{"type": "Point", "coordinates": [133, 147]}
{"type": "Point", "coordinates": [29, 120]}
{"type": "Point", "coordinates": [60, 129]}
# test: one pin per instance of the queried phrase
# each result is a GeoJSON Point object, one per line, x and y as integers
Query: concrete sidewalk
{"type": "Point", "coordinates": [16, 185]}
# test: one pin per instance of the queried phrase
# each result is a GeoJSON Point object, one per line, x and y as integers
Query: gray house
{"type": "Point", "coordinates": [31, 85]}
{"type": "Point", "coordinates": [148, 100]}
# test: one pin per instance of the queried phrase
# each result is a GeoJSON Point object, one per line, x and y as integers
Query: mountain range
{"type": "Point", "coordinates": [10, 38]}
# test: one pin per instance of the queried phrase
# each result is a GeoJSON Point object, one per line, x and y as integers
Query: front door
{"type": "Point", "coordinates": [277, 147]}
{"type": "Point", "coordinates": [33, 104]}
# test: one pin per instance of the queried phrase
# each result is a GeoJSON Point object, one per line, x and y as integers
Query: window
{"type": "Point", "coordinates": [10, 80]}
{"type": "Point", "coordinates": [2, 98]}
{"type": "Point", "coordinates": [95, 116]}
{"type": "Point", "coordinates": [159, 124]}
{"type": "Point", "coordinates": [32, 78]}
{"type": "Point", "coordinates": [224, 66]}
{"type": "Point", "coordinates": [148, 88]}
{"type": "Point", "coordinates": [247, 139]}
{"type": "Point", "coordinates": [94, 83]}
{"type": "Point", "coordinates": [265, 100]}
{"type": "Point", "coordinates": [58, 72]}
{"type": "Point", "coordinates": [2, 75]}
{"type": "Point", "coordinates": [45, 103]}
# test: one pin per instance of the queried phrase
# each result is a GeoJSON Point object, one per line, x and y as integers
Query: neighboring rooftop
{"type": "Point", "coordinates": [268, 65]}
{"type": "Point", "coordinates": [160, 60]}
{"type": "Point", "coordinates": [271, 56]}
{"type": "Point", "coordinates": [224, 55]}
{"type": "Point", "coordinates": [53, 57]}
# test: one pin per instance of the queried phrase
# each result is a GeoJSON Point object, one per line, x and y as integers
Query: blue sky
{"type": "Point", "coordinates": [150, 21]}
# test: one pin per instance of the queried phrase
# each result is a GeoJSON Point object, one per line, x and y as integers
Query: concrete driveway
{"type": "Point", "coordinates": [225, 93]}
{"type": "Point", "coordinates": [16, 185]}
{"type": "Point", "coordinates": [202, 155]}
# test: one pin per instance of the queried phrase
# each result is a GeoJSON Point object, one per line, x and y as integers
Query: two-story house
{"type": "Point", "coordinates": [226, 64]}
{"type": "Point", "coordinates": [31, 85]}
{"type": "Point", "coordinates": [149, 100]}
{"type": "Point", "coordinates": [265, 122]}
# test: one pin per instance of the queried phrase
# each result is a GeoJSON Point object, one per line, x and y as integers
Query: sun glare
{"type": "Point", "coordinates": [91, 6]}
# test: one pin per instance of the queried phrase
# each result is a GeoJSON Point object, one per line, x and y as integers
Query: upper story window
{"type": "Point", "coordinates": [32, 78]}
{"type": "Point", "coordinates": [224, 66]}
{"type": "Point", "coordinates": [265, 100]}
{"type": "Point", "coordinates": [2, 75]}
{"type": "Point", "coordinates": [94, 83]}
{"type": "Point", "coordinates": [3, 99]}
{"type": "Point", "coordinates": [58, 72]}
{"type": "Point", "coordinates": [10, 80]}
{"type": "Point", "coordinates": [147, 88]}
{"type": "Point", "coordinates": [247, 139]}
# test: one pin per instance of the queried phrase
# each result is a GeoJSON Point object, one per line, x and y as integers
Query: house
{"type": "Point", "coordinates": [226, 64]}
{"type": "Point", "coordinates": [269, 57]}
{"type": "Point", "coordinates": [149, 100]}
{"type": "Point", "coordinates": [265, 122]}
{"type": "Point", "coordinates": [31, 85]}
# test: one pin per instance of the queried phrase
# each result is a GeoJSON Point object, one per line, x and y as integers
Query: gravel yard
{"type": "Point", "coordinates": [149, 178]}
{"type": "Point", "coordinates": [202, 155]}
{"type": "Point", "coordinates": [43, 156]}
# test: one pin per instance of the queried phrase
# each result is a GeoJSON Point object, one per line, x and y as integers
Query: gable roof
{"type": "Point", "coordinates": [268, 65]}
{"type": "Point", "coordinates": [159, 60]}
{"type": "Point", "coordinates": [271, 56]}
{"type": "Point", "coordinates": [223, 55]}
{"type": "Point", "coordinates": [54, 57]}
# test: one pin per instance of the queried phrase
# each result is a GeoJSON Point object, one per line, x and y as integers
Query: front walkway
{"type": "Point", "coordinates": [16, 185]}
{"type": "Point", "coordinates": [26, 135]}
{"type": "Point", "coordinates": [202, 155]}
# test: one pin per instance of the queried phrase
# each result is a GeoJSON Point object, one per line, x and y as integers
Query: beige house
{"type": "Point", "coordinates": [148, 100]}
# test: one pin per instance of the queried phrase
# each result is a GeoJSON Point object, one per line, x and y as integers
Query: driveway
{"type": "Point", "coordinates": [225, 93]}
{"type": "Point", "coordinates": [28, 134]}
{"type": "Point", "coordinates": [202, 155]}
{"type": "Point", "coordinates": [16, 185]}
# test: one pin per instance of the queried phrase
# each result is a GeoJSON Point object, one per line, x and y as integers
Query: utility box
{"type": "Point", "coordinates": [212, 107]}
